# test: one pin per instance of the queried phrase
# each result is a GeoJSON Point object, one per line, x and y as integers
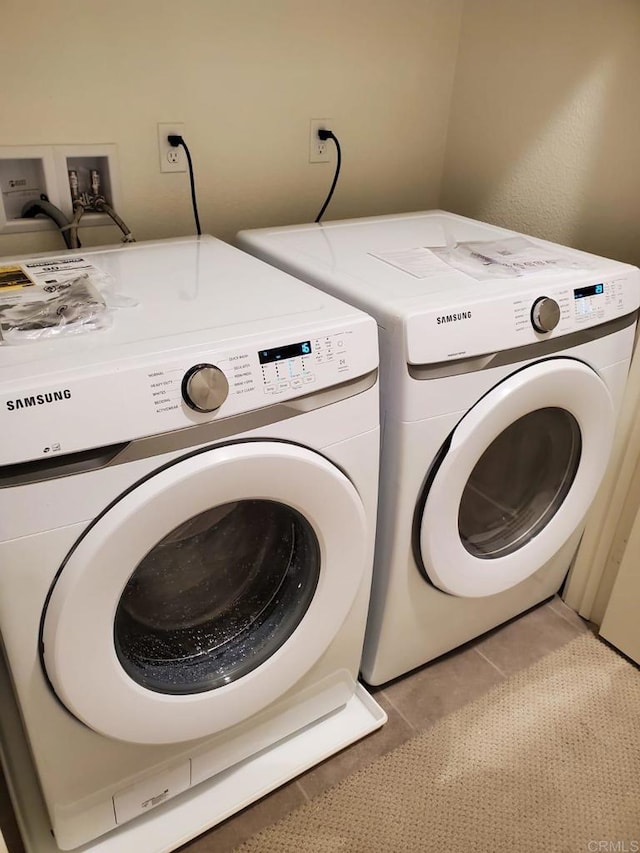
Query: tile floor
{"type": "Point", "coordinates": [413, 703]}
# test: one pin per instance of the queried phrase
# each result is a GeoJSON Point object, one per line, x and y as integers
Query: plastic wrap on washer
{"type": "Point", "coordinates": [67, 308]}
{"type": "Point", "coordinates": [47, 299]}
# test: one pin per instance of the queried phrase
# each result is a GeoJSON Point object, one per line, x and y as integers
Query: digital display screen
{"type": "Point", "coordinates": [592, 290]}
{"type": "Point", "coordinates": [280, 353]}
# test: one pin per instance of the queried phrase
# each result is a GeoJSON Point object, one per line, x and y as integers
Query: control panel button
{"type": "Point", "coordinates": [204, 387]}
{"type": "Point", "coordinates": [545, 314]}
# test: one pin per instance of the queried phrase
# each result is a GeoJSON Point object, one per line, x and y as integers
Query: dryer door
{"type": "Point", "coordinates": [515, 478]}
{"type": "Point", "coordinates": [205, 592]}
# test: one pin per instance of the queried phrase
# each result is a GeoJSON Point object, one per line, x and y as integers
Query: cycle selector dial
{"type": "Point", "coordinates": [204, 387]}
{"type": "Point", "coordinates": [545, 314]}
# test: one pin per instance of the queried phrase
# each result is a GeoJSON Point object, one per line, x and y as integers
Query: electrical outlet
{"type": "Point", "coordinates": [172, 159]}
{"type": "Point", "coordinates": [319, 148]}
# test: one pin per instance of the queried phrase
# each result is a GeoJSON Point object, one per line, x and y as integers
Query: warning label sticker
{"type": "Point", "coordinates": [14, 278]}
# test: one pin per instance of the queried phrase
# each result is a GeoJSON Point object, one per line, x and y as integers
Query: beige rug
{"type": "Point", "coordinates": [547, 761]}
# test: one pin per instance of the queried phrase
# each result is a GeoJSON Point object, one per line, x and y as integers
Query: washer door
{"type": "Point", "coordinates": [205, 592]}
{"type": "Point", "coordinates": [516, 478]}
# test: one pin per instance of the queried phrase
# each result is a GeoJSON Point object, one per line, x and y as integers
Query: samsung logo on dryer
{"type": "Point", "coordinates": [453, 318]}
{"type": "Point", "coordinates": [38, 400]}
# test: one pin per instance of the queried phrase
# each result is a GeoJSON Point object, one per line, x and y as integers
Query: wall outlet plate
{"type": "Point", "coordinates": [172, 159]}
{"type": "Point", "coordinates": [319, 149]}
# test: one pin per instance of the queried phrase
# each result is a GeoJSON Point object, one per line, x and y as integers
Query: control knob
{"type": "Point", "coordinates": [204, 387]}
{"type": "Point", "coordinates": [545, 314]}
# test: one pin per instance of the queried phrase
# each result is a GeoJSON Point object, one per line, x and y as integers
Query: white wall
{"type": "Point", "coordinates": [545, 121]}
{"type": "Point", "coordinates": [544, 132]}
{"type": "Point", "coordinates": [245, 76]}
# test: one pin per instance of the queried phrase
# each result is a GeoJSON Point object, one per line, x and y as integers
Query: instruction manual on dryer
{"type": "Point", "coordinates": [511, 257]}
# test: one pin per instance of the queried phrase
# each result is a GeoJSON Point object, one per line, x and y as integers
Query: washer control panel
{"type": "Point", "coordinates": [254, 377]}
{"type": "Point", "coordinates": [296, 366]}
{"type": "Point", "coordinates": [290, 366]}
{"type": "Point", "coordinates": [164, 392]}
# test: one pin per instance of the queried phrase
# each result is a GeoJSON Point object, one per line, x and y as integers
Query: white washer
{"type": "Point", "coordinates": [496, 433]}
{"type": "Point", "coordinates": [187, 515]}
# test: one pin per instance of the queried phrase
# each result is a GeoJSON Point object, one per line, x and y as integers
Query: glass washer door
{"type": "Point", "coordinates": [217, 596]}
{"type": "Point", "coordinates": [517, 478]}
{"type": "Point", "coordinates": [205, 592]}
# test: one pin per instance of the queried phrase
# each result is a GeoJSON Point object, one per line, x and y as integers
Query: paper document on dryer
{"type": "Point", "coordinates": [511, 257]}
{"type": "Point", "coordinates": [419, 262]}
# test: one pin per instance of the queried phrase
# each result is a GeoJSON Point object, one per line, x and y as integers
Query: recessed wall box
{"type": "Point", "coordinates": [84, 172]}
{"type": "Point", "coordinates": [27, 172]}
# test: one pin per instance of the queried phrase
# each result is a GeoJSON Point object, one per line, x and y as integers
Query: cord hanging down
{"type": "Point", "coordinates": [327, 134]}
{"type": "Point", "coordinates": [175, 140]}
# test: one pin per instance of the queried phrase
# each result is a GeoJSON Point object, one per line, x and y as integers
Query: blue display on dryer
{"type": "Point", "coordinates": [591, 290]}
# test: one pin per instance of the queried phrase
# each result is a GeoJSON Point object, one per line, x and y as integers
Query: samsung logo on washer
{"type": "Point", "coordinates": [38, 400]}
{"type": "Point", "coordinates": [452, 318]}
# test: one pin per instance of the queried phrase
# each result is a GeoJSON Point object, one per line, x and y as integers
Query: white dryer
{"type": "Point", "coordinates": [187, 514]}
{"type": "Point", "coordinates": [503, 363]}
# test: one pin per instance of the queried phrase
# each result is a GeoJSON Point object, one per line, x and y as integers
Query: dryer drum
{"type": "Point", "coordinates": [519, 483]}
{"type": "Point", "coordinates": [217, 596]}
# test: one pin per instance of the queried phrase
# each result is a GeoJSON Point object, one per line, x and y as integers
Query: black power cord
{"type": "Point", "coordinates": [324, 135]}
{"type": "Point", "coordinates": [174, 140]}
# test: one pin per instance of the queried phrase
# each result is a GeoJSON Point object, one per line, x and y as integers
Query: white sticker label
{"type": "Point", "coordinates": [58, 270]}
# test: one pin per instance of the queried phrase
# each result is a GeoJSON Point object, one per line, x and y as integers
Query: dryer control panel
{"type": "Point", "coordinates": [569, 309]}
{"type": "Point", "coordinates": [520, 313]}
